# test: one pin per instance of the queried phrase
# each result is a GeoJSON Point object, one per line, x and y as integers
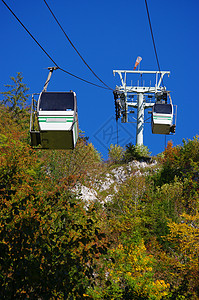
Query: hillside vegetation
{"type": "Point", "coordinates": [75, 227]}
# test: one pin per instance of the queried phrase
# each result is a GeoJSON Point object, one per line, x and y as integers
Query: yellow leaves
{"type": "Point", "coordinates": [161, 283]}
{"type": "Point", "coordinates": [129, 274]}
{"type": "Point", "coordinates": [191, 218]}
{"type": "Point", "coordinates": [120, 247]}
{"type": "Point", "coordinates": [186, 234]}
{"type": "Point", "coordinates": [21, 292]}
{"type": "Point", "coordinates": [185, 240]}
{"type": "Point", "coordinates": [188, 229]}
{"type": "Point", "coordinates": [160, 289]}
{"type": "Point", "coordinates": [3, 140]}
{"type": "Point", "coordinates": [134, 266]}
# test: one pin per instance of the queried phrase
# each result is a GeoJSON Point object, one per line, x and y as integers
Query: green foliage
{"type": "Point", "coordinates": [125, 208]}
{"type": "Point", "coordinates": [48, 240]}
{"type": "Point", "coordinates": [73, 165]}
{"type": "Point", "coordinates": [161, 205]}
{"type": "Point", "coordinates": [142, 244]}
{"type": "Point", "coordinates": [3, 140]}
{"type": "Point", "coordinates": [47, 247]}
{"type": "Point", "coordinates": [136, 152]}
{"type": "Point", "coordinates": [181, 161]}
{"type": "Point", "coordinates": [14, 109]}
{"type": "Point", "coordinates": [183, 238]}
{"type": "Point", "coordinates": [115, 153]}
{"type": "Point", "coordinates": [130, 275]}
{"type": "Point", "coordinates": [15, 97]}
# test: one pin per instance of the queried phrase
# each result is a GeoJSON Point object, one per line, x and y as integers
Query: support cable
{"type": "Point", "coordinates": [153, 39]}
{"type": "Point", "coordinates": [63, 70]}
{"type": "Point", "coordinates": [75, 47]}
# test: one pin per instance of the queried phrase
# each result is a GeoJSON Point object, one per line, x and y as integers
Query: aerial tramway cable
{"type": "Point", "coordinates": [75, 47]}
{"type": "Point", "coordinates": [153, 39]}
{"type": "Point", "coordinates": [63, 70]}
{"type": "Point", "coordinates": [162, 113]}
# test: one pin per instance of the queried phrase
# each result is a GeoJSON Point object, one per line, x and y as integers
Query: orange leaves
{"type": "Point", "coordinates": [52, 246]}
{"type": "Point", "coordinates": [183, 157]}
{"type": "Point", "coordinates": [170, 153]}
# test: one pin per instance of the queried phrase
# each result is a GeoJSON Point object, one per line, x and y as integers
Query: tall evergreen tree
{"type": "Point", "coordinates": [16, 95]}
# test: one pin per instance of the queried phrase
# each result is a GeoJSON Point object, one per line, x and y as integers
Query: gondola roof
{"type": "Point", "coordinates": [57, 101]}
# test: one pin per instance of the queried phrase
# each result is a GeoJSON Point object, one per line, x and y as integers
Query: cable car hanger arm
{"type": "Point", "coordinates": [51, 69]}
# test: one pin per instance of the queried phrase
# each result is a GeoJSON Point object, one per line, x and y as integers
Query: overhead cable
{"type": "Point", "coordinates": [147, 9]}
{"type": "Point", "coordinates": [75, 47]}
{"type": "Point", "coordinates": [63, 70]}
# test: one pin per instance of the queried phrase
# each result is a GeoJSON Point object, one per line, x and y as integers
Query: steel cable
{"type": "Point", "coordinates": [63, 70]}
{"type": "Point", "coordinates": [75, 47]}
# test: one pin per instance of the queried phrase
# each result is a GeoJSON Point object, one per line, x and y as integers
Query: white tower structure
{"type": "Point", "coordinates": [146, 96]}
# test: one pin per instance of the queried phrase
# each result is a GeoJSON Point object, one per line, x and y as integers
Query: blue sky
{"type": "Point", "coordinates": [109, 35]}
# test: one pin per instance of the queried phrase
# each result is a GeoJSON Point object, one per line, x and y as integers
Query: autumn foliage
{"type": "Point", "coordinates": [142, 244]}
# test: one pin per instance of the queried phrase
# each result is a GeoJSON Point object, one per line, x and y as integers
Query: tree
{"type": "Point", "coordinates": [16, 95]}
{"type": "Point", "coordinates": [136, 152]}
{"type": "Point", "coordinates": [180, 161]}
{"type": "Point", "coordinates": [115, 153]}
{"type": "Point", "coordinates": [72, 165]}
{"type": "Point", "coordinates": [184, 241]}
{"type": "Point", "coordinates": [49, 241]}
{"type": "Point", "coordinates": [53, 246]}
{"type": "Point", "coordinates": [130, 275]}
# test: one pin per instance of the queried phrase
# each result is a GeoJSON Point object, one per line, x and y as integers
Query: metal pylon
{"type": "Point", "coordinates": [125, 94]}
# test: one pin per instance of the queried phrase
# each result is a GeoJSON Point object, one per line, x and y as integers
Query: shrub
{"type": "Point", "coordinates": [115, 153]}
{"type": "Point", "coordinates": [136, 152]}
